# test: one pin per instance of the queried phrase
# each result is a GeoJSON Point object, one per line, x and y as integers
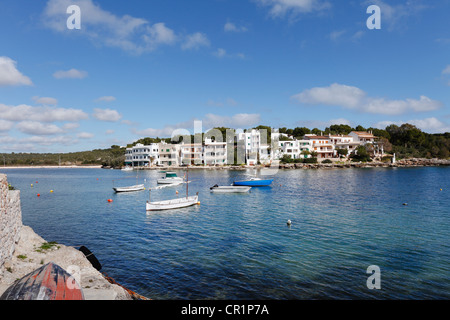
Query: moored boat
{"type": "Point", "coordinates": [49, 282]}
{"type": "Point", "coordinates": [254, 182]}
{"type": "Point", "coordinates": [169, 178]}
{"type": "Point", "coordinates": [137, 187]}
{"type": "Point", "coordinates": [172, 204]}
{"type": "Point", "coordinates": [230, 189]}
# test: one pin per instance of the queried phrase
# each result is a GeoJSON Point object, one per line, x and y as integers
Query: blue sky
{"type": "Point", "coordinates": [145, 68]}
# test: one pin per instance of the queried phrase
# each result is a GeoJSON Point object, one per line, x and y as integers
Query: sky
{"type": "Point", "coordinates": [144, 68]}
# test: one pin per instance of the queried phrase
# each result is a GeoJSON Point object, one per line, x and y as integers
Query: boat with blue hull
{"type": "Point", "coordinates": [254, 182]}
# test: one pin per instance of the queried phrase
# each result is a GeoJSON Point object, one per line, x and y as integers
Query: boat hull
{"type": "Point", "coordinates": [172, 204]}
{"type": "Point", "coordinates": [254, 183]}
{"type": "Point", "coordinates": [50, 282]}
{"type": "Point", "coordinates": [139, 187]}
{"type": "Point", "coordinates": [230, 189]}
{"type": "Point", "coordinates": [169, 180]}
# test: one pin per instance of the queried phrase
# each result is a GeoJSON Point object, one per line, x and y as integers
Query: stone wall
{"type": "Point", "coordinates": [10, 220]}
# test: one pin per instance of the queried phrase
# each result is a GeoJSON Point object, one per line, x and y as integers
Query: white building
{"type": "Point", "coordinates": [215, 153]}
{"type": "Point", "coordinates": [362, 137]}
{"type": "Point", "coordinates": [169, 154]}
{"type": "Point", "coordinates": [142, 156]}
{"type": "Point", "coordinates": [256, 151]}
{"type": "Point", "coordinates": [191, 153]}
{"type": "Point", "coordinates": [322, 145]}
{"type": "Point", "coordinates": [344, 142]}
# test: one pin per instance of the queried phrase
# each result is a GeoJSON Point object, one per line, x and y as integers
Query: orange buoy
{"type": "Point", "coordinates": [38, 194]}
{"type": "Point", "coordinates": [110, 200]}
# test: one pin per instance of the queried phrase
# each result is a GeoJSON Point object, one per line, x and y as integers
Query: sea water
{"type": "Point", "coordinates": [239, 246]}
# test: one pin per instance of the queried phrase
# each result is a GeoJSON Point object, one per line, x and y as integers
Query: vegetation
{"type": "Point", "coordinates": [114, 156]}
{"type": "Point", "coordinates": [406, 141]}
{"type": "Point", "coordinates": [47, 246]}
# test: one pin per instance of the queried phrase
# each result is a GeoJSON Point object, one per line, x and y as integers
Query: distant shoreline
{"type": "Point", "coordinates": [52, 167]}
{"type": "Point", "coordinates": [413, 162]}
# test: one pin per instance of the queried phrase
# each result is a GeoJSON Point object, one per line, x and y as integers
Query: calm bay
{"type": "Point", "coordinates": [238, 246]}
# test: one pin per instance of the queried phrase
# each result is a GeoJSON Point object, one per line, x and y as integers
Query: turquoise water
{"type": "Point", "coordinates": [238, 246]}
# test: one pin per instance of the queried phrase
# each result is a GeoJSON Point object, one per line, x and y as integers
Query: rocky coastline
{"type": "Point", "coordinates": [32, 251]}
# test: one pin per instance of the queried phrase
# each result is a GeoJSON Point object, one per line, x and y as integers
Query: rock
{"type": "Point", "coordinates": [28, 256]}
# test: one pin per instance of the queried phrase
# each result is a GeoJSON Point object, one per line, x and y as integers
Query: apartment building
{"type": "Point", "coordinates": [322, 145]}
{"type": "Point", "coordinates": [362, 137]}
{"type": "Point", "coordinates": [191, 153]}
{"type": "Point", "coordinates": [256, 151]}
{"type": "Point", "coordinates": [169, 154]}
{"type": "Point", "coordinates": [215, 153]}
{"type": "Point", "coordinates": [142, 156]}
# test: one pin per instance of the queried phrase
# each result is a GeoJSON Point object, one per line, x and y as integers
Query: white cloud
{"type": "Point", "coordinates": [38, 128]}
{"type": "Point", "coordinates": [220, 53]}
{"type": "Point", "coordinates": [279, 8]}
{"type": "Point", "coordinates": [446, 70]}
{"type": "Point", "coordinates": [106, 99]}
{"type": "Point", "coordinates": [107, 115]}
{"type": "Point", "coordinates": [108, 132]}
{"type": "Point", "coordinates": [9, 75]}
{"type": "Point", "coordinates": [336, 35]}
{"type": "Point", "coordinates": [336, 94]}
{"type": "Point", "coordinates": [431, 125]}
{"type": "Point", "coordinates": [231, 27]}
{"type": "Point", "coordinates": [42, 114]}
{"type": "Point", "coordinates": [350, 97]}
{"type": "Point", "coordinates": [33, 143]}
{"type": "Point", "coordinates": [158, 34]}
{"type": "Point", "coordinates": [134, 35]}
{"type": "Point", "coordinates": [45, 100]}
{"type": "Point", "coordinates": [6, 125]}
{"type": "Point", "coordinates": [71, 126]}
{"type": "Point", "coordinates": [85, 135]}
{"type": "Point", "coordinates": [396, 16]}
{"type": "Point", "coordinates": [242, 120]}
{"type": "Point", "coordinates": [195, 41]}
{"type": "Point", "coordinates": [70, 74]}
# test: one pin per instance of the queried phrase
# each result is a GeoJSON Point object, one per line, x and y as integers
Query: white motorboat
{"type": "Point", "coordinates": [170, 178]}
{"type": "Point", "coordinates": [127, 168]}
{"type": "Point", "coordinates": [230, 189]}
{"type": "Point", "coordinates": [137, 187]}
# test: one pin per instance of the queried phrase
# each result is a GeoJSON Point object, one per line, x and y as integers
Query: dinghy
{"type": "Point", "coordinates": [49, 282]}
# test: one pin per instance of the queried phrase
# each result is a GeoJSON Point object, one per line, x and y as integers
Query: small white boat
{"type": "Point", "coordinates": [137, 187]}
{"type": "Point", "coordinates": [230, 189]}
{"type": "Point", "coordinates": [170, 178]}
{"type": "Point", "coordinates": [172, 204]}
{"type": "Point", "coordinates": [127, 168]}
